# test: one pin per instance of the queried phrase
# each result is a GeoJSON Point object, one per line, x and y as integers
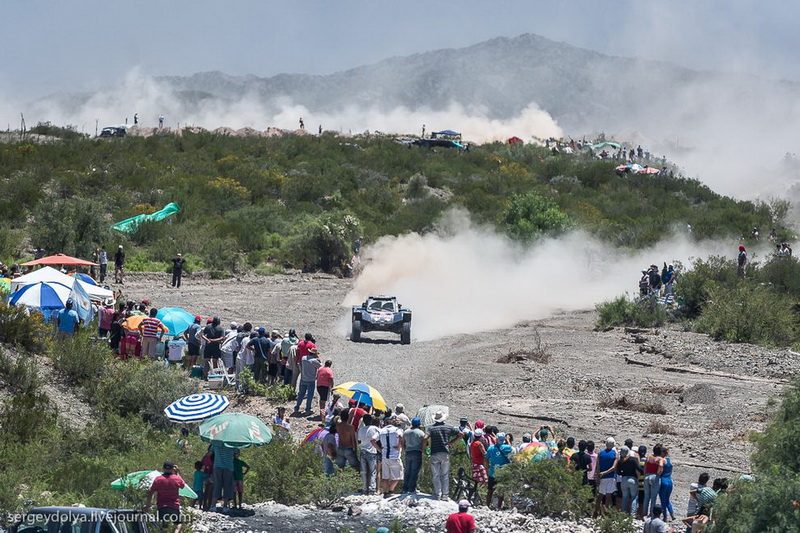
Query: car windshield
{"type": "Point", "coordinates": [381, 305]}
{"type": "Point", "coordinates": [38, 523]}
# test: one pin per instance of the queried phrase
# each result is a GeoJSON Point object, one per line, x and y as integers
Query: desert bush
{"type": "Point", "coordinates": [277, 392]}
{"type": "Point", "coordinates": [749, 313]}
{"type": "Point", "coordinates": [327, 491]}
{"type": "Point", "coordinates": [657, 427]}
{"type": "Point", "coordinates": [18, 327]}
{"type": "Point", "coordinates": [783, 275]}
{"type": "Point", "coordinates": [537, 351]}
{"type": "Point", "coordinates": [615, 522]}
{"type": "Point", "coordinates": [74, 226]}
{"type": "Point", "coordinates": [545, 488]}
{"type": "Point", "coordinates": [767, 505]}
{"type": "Point", "coordinates": [622, 402]}
{"type": "Point", "coordinates": [324, 243]}
{"type": "Point", "coordinates": [142, 388]}
{"type": "Point", "coordinates": [80, 358]}
{"type": "Point", "coordinates": [531, 215]}
{"type": "Point", "coordinates": [693, 286]}
{"type": "Point", "coordinates": [283, 472]}
{"type": "Point", "coordinates": [645, 313]}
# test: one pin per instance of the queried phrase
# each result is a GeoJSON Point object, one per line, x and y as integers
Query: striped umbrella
{"type": "Point", "coordinates": [42, 295]}
{"type": "Point", "coordinates": [361, 393]}
{"type": "Point", "coordinates": [196, 407]}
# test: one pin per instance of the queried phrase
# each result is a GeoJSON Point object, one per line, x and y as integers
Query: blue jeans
{"type": "Point", "coordinates": [287, 376]}
{"type": "Point", "coordinates": [307, 392]}
{"type": "Point", "coordinates": [327, 466]}
{"type": "Point", "coordinates": [652, 483]}
{"type": "Point", "coordinates": [413, 466]}
{"type": "Point", "coordinates": [347, 456]}
{"type": "Point", "coordinates": [630, 493]}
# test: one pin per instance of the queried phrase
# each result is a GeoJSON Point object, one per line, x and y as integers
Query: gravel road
{"type": "Point", "coordinates": [714, 394]}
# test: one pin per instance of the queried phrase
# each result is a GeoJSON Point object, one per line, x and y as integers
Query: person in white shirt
{"type": "Point", "coordinates": [368, 445]}
{"type": "Point", "coordinates": [391, 444]}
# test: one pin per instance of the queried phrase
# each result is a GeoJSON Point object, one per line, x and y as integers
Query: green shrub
{"type": "Point", "coordinates": [283, 472]}
{"type": "Point", "coordinates": [19, 328]}
{"type": "Point", "coordinates": [767, 505]}
{"type": "Point", "coordinates": [615, 522]}
{"type": "Point", "coordinates": [74, 226]}
{"type": "Point", "coordinates": [783, 275]}
{"type": "Point", "coordinates": [531, 215]}
{"type": "Point", "coordinates": [327, 491]}
{"type": "Point", "coordinates": [549, 488]}
{"type": "Point", "coordinates": [749, 313]}
{"type": "Point", "coordinates": [141, 388]}
{"type": "Point", "coordinates": [646, 313]}
{"type": "Point", "coordinates": [693, 286]}
{"type": "Point", "coordinates": [276, 392]}
{"type": "Point", "coordinates": [80, 358]}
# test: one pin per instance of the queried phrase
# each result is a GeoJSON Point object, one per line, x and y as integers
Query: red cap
{"type": "Point", "coordinates": [741, 247]}
{"type": "Point", "coordinates": [198, 318]}
{"type": "Point", "coordinates": [479, 424]}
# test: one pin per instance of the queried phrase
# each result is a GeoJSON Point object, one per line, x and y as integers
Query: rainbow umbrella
{"type": "Point", "coordinates": [361, 393]}
{"type": "Point", "coordinates": [535, 451]}
{"type": "Point", "coordinates": [315, 434]}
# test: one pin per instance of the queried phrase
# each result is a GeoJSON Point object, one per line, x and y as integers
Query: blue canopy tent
{"type": "Point", "coordinates": [445, 133]}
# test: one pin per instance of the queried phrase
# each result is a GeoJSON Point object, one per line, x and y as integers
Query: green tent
{"type": "Point", "coordinates": [129, 225]}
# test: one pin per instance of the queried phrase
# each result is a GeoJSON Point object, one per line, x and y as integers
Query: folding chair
{"type": "Point", "coordinates": [218, 369]}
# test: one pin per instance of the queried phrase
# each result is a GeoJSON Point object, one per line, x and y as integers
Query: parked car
{"type": "Point", "coordinates": [81, 520]}
{"type": "Point", "coordinates": [113, 131]}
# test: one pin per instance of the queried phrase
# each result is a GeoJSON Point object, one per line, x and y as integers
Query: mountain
{"type": "Point", "coordinates": [580, 88]}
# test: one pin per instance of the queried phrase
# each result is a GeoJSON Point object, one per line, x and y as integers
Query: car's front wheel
{"type": "Point", "coordinates": [355, 331]}
{"type": "Point", "coordinates": [405, 333]}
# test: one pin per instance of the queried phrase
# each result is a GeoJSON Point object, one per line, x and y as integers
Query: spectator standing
{"type": "Point", "coordinates": [304, 348]}
{"type": "Point", "coordinates": [119, 266]}
{"type": "Point", "coordinates": [741, 262]}
{"type": "Point", "coordinates": [106, 314]}
{"type": "Point", "coordinates": [198, 481]}
{"type": "Point", "coordinates": [368, 448]}
{"type": "Point", "coordinates": [653, 467]}
{"type": "Point", "coordinates": [605, 477]}
{"type": "Point", "coordinates": [240, 469]}
{"type": "Point", "coordinates": [274, 357]}
{"type": "Point", "coordinates": [192, 342]}
{"type": "Point", "coordinates": [665, 491]}
{"type": "Point", "coordinates": [223, 475]}
{"type": "Point", "coordinates": [627, 469]}
{"type": "Point", "coordinates": [103, 264]}
{"type": "Point", "coordinates": [261, 347]}
{"type": "Point", "coordinates": [213, 335]}
{"type": "Point", "coordinates": [460, 522]}
{"type": "Point", "coordinates": [68, 321]}
{"type": "Point", "coordinates": [230, 345]}
{"type": "Point", "coordinates": [177, 270]}
{"type": "Point", "coordinates": [348, 442]}
{"type": "Point", "coordinates": [308, 377]}
{"type": "Point", "coordinates": [152, 331]}
{"type": "Point", "coordinates": [324, 385]}
{"type": "Point", "coordinates": [498, 455]}
{"type": "Point", "coordinates": [168, 502]}
{"type": "Point", "coordinates": [415, 440]}
{"type": "Point", "coordinates": [391, 445]}
{"type": "Point", "coordinates": [441, 436]}
{"type": "Point", "coordinates": [401, 418]}
{"type": "Point", "coordinates": [289, 357]}
{"type": "Point", "coordinates": [329, 450]}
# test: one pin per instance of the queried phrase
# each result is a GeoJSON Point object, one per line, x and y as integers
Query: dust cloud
{"type": "Point", "coordinates": [150, 98]}
{"type": "Point", "coordinates": [465, 279]}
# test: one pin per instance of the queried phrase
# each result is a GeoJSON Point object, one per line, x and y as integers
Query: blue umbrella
{"type": "Point", "coordinates": [196, 407]}
{"type": "Point", "coordinates": [42, 295]}
{"type": "Point", "coordinates": [86, 278]}
{"type": "Point", "coordinates": [176, 319]}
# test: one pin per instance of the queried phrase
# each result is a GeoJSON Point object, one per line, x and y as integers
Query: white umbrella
{"type": "Point", "coordinates": [196, 407]}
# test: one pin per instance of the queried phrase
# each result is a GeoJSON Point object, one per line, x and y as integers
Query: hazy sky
{"type": "Point", "coordinates": [57, 46]}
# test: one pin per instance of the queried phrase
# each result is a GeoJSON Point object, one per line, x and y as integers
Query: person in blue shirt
{"type": "Point", "coordinates": [497, 455]}
{"type": "Point", "coordinates": [605, 477]}
{"type": "Point", "coordinates": [68, 321]}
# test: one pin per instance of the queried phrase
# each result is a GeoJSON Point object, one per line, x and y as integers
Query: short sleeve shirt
{"type": "Point", "coordinates": [67, 319]}
{"type": "Point", "coordinates": [223, 457]}
{"type": "Point", "coordinates": [460, 523]}
{"type": "Point", "coordinates": [325, 377]}
{"type": "Point", "coordinates": [167, 488]}
{"type": "Point", "coordinates": [365, 436]}
{"type": "Point", "coordinates": [413, 438]}
{"type": "Point", "coordinates": [213, 348]}
{"type": "Point", "coordinates": [441, 434]}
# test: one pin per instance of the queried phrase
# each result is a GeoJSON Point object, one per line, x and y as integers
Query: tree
{"type": "Point", "coordinates": [531, 215]}
{"type": "Point", "coordinates": [74, 226]}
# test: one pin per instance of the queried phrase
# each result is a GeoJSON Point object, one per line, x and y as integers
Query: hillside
{"type": "Point", "coordinates": [301, 202]}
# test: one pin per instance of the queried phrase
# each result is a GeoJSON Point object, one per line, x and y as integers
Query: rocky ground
{"type": "Point", "coordinates": [588, 384]}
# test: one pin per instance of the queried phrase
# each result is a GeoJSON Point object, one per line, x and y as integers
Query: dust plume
{"type": "Point", "coordinates": [467, 279]}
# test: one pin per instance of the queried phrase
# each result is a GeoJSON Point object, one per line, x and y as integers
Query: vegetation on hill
{"type": "Point", "coordinates": [301, 201]}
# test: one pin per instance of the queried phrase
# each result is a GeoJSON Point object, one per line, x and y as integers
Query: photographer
{"type": "Point", "coordinates": [168, 503]}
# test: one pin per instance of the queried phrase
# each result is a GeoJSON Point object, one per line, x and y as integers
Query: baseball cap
{"type": "Point", "coordinates": [261, 331]}
{"type": "Point", "coordinates": [276, 332]}
{"type": "Point", "coordinates": [463, 504]}
{"type": "Point", "coordinates": [198, 318]}
{"type": "Point", "coordinates": [479, 423]}
{"type": "Point", "coordinates": [416, 422]}
{"type": "Point", "coordinates": [169, 465]}
{"type": "Point", "coordinates": [478, 432]}
{"type": "Point", "coordinates": [399, 407]}
{"type": "Point", "coordinates": [234, 325]}
{"type": "Point", "coordinates": [527, 436]}
{"type": "Point", "coordinates": [610, 442]}
{"type": "Point", "coordinates": [624, 450]}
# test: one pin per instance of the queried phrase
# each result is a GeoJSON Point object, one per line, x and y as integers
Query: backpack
{"type": "Point", "coordinates": [198, 335]}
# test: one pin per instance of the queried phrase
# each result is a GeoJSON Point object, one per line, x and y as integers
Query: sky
{"type": "Point", "coordinates": [56, 46]}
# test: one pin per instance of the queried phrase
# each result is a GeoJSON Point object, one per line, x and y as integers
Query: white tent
{"type": "Point", "coordinates": [47, 273]}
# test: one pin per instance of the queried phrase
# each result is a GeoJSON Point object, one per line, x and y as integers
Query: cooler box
{"type": "Point", "coordinates": [196, 372]}
{"type": "Point", "coordinates": [175, 351]}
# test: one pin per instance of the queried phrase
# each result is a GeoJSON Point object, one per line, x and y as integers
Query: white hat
{"type": "Point", "coordinates": [439, 416]}
{"type": "Point", "coordinates": [610, 442]}
{"type": "Point", "coordinates": [464, 504]}
{"type": "Point", "coordinates": [399, 407]}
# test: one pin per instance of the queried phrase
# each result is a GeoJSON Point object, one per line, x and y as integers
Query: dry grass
{"type": "Point", "coordinates": [721, 425]}
{"type": "Point", "coordinates": [623, 403]}
{"type": "Point", "coordinates": [656, 427]}
{"type": "Point", "coordinates": [537, 351]}
{"type": "Point", "coordinates": [665, 388]}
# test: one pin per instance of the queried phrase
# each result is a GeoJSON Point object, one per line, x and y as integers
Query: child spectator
{"type": "Point", "coordinates": [198, 482]}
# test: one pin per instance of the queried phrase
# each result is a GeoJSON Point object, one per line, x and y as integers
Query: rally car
{"type": "Point", "coordinates": [381, 313]}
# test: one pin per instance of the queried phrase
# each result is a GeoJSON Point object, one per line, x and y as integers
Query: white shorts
{"type": "Point", "coordinates": [391, 469]}
{"type": "Point", "coordinates": [608, 485]}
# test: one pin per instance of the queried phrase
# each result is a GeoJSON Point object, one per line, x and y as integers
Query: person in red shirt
{"type": "Point", "coordinates": [168, 503]}
{"type": "Point", "coordinates": [477, 452]}
{"type": "Point", "coordinates": [460, 522]}
{"type": "Point", "coordinates": [304, 347]}
{"type": "Point", "coordinates": [356, 413]}
{"type": "Point", "coordinates": [324, 386]}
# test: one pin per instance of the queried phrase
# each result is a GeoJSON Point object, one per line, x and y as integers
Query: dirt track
{"type": "Point", "coordinates": [710, 409]}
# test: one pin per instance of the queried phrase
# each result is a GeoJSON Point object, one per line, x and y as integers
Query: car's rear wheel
{"type": "Point", "coordinates": [355, 332]}
{"type": "Point", "coordinates": [405, 333]}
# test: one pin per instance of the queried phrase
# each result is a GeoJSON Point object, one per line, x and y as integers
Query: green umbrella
{"type": "Point", "coordinates": [143, 479]}
{"type": "Point", "coordinates": [235, 430]}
